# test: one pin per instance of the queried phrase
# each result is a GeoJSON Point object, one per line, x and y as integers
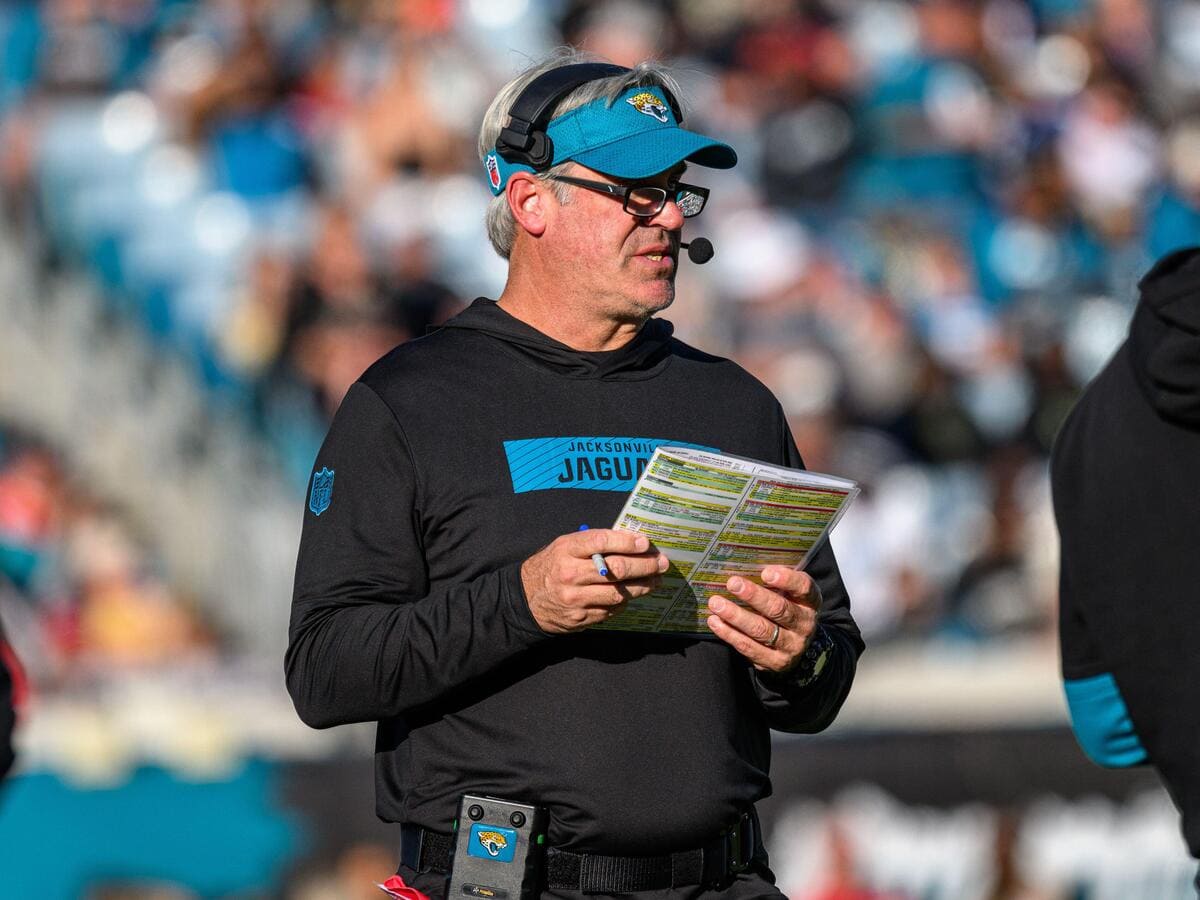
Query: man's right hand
{"type": "Point", "coordinates": [566, 593]}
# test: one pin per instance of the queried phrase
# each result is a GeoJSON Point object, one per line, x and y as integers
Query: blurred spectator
{"type": "Point", "coordinates": [1008, 881]}
{"type": "Point", "coordinates": [842, 881]}
{"type": "Point", "coordinates": [30, 507]}
{"type": "Point", "coordinates": [243, 117]}
{"type": "Point", "coordinates": [1109, 156]}
{"type": "Point", "coordinates": [991, 597]}
{"type": "Point", "coordinates": [81, 591]}
{"type": "Point", "coordinates": [355, 875]}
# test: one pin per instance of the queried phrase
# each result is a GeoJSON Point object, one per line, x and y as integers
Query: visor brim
{"type": "Point", "coordinates": [651, 152]}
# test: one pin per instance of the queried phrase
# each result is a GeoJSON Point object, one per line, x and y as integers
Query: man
{"type": "Point", "coordinates": [11, 683]}
{"type": "Point", "coordinates": [423, 600]}
{"type": "Point", "coordinates": [1126, 478]}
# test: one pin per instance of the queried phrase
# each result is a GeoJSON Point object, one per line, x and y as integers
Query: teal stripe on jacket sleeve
{"type": "Point", "coordinates": [1101, 722]}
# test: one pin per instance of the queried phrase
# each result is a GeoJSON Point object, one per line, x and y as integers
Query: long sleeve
{"type": "Point", "coordinates": [369, 638]}
{"type": "Point", "coordinates": [1099, 715]}
{"type": "Point", "coordinates": [811, 708]}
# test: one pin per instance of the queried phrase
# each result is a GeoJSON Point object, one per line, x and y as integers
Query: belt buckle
{"type": "Point", "coordinates": [739, 845]}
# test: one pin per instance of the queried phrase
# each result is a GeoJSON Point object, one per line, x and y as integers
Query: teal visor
{"type": "Point", "coordinates": [635, 136]}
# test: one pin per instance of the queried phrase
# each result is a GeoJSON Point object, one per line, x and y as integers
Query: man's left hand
{"type": "Point", "coordinates": [774, 627]}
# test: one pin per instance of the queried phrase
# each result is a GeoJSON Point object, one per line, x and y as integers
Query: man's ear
{"type": "Point", "coordinates": [527, 200]}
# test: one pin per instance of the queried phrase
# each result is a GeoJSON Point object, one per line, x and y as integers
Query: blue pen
{"type": "Point", "coordinates": [597, 559]}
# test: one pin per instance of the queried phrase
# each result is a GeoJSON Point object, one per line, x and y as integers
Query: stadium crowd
{"type": "Point", "coordinates": [930, 243]}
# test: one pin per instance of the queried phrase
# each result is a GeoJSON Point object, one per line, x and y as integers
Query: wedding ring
{"type": "Point", "coordinates": [774, 637]}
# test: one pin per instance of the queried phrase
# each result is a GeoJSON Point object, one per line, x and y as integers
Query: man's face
{"type": "Point", "coordinates": [622, 265]}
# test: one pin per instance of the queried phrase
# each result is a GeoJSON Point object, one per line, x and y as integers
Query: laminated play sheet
{"type": "Point", "coordinates": [715, 515]}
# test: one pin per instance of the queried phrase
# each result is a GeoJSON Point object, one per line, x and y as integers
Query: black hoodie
{"type": "Point", "coordinates": [451, 461]}
{"type": "Point", "coordinates": [1126, 480]}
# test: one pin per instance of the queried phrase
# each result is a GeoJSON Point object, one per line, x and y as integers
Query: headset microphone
{"type": "Point", "coordinates": [699, 251]}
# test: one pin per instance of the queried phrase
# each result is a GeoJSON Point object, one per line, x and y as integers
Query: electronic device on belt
{"type": "Point", "coordinates": [498, 850]}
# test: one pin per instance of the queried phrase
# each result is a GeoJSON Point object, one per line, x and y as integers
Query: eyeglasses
{"type": "Point", "coordinates": [645, 200]}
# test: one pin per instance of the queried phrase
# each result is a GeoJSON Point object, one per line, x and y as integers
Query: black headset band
{"type": "Point", "coordinates": [523, 139]}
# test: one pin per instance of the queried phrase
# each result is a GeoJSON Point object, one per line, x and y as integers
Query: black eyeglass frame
{"type": "Point", "coordinates": [624, 191]}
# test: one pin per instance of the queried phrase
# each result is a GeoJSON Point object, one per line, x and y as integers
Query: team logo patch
{"type": "Point", "coordinates": [322, 491]}
{"type": "Point", "coordinates": [651, 105]}
{"type": "Point", "coordinates": [492, 842]}
{"type": "Point", "coordinates": [582, 463]}
{"type": "Point", "coordinates": [493, 170]}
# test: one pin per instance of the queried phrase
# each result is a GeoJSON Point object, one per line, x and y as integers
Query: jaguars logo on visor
{"type": "Point", "coordinates": [651, 105]}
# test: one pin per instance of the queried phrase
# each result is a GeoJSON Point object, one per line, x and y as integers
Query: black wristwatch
{"type": "Point", "coordinates": [814, 659]}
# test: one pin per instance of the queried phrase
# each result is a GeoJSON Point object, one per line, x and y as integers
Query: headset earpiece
{"type": "Point", "coordinates": [535, 150]}
{"type": "Point", "coordinates": [541, 154]}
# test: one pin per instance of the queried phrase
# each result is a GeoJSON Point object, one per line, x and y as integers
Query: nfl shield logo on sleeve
{"type": "Point", "coordinates": [322, 491]}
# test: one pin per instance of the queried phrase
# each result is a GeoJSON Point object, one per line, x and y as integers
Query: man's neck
{"type": "Point", "coordinates": [568, 323]}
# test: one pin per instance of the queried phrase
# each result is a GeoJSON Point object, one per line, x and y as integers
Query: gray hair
{"type": "Point", "coordinates": [501, 226]}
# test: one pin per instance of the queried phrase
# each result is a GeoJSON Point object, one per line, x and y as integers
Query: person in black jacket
{"type": "Point", "coordinates": [444, 589]}
{"type": "Point", "coordinates": [9, 676]}
{"type": "Point", "coordinates": [1125, 473]}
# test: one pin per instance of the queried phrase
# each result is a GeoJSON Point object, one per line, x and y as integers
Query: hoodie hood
{"type": "Point", "coordinates": [642, 357]}
{"type": "Point", "coordinates": [1164, 337]}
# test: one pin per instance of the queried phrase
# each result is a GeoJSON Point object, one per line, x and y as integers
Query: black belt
{"type": "Point", "coordinates": [724, 856]}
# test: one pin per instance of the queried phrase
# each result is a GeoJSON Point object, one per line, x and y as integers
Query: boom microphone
{"type": "Point", "coordinates": [699, 251]}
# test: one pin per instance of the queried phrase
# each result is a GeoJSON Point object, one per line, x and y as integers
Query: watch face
{"type": "Point", "coordinates": [816, 655]}
{"type": "Point", "coordinates": [819, 663]}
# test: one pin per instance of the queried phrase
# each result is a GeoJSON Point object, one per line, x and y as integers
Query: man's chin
{"type": "Point", "coordinates": [660, 298]}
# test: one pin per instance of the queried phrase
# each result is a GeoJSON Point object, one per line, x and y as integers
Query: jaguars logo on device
{"type": "Point", "coordinates": [650, 104]}
{"type": "Point", "coordinates": [492, 842]}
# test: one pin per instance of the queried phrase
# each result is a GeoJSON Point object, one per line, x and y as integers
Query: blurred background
{"type": "Point", "coordinates": [214, 215]}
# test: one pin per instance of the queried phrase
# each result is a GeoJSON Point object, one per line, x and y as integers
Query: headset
{"type": "Point", "coordinates": [524, 140]}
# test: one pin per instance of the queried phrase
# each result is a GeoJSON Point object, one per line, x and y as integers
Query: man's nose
{"type": "Point", "coordinates": [669, 217]}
